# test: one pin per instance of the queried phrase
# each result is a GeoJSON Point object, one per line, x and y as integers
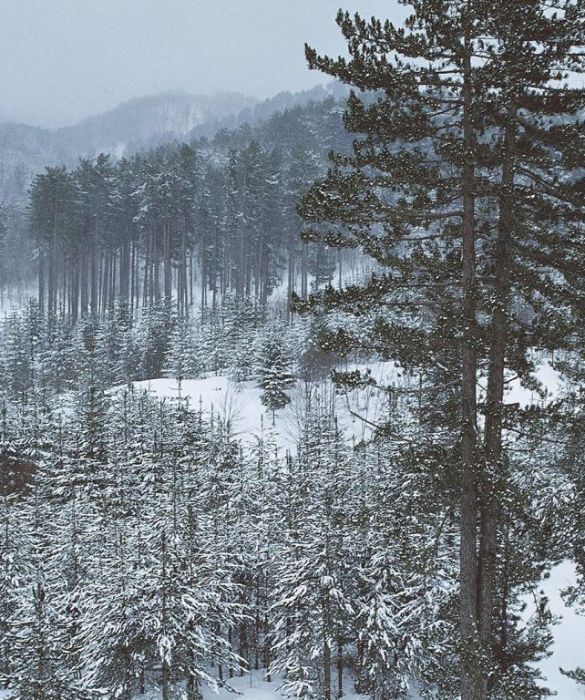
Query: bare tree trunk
{"type": "Point", "coordinates": [83, 283]}
{"type": "Point", "coordinates": [326, 646]}
{"type": "Point", "coordinates": [304, 265]}
{"type": "Point", "coordinates": [267, 654]}
{"type": "Point", "coordinates": [291, 270]}
{"type": "Point", "coordinates": [75, 282]}
{"type": "Point", "coordinates": [168, 269]}
{"type": "Point", "coordinates": [105, 279]}
{"type": "Point", "coordinates": [339, 663]}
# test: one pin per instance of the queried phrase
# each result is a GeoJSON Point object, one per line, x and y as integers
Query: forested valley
{"type": "Point", "coordinates": [301, 402]}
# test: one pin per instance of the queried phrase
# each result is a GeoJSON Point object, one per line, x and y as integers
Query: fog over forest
{"type": "Point", "coordinates": [292, 350]}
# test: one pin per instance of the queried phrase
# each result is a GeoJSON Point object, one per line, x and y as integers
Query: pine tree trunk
{"type": "Point", "coordinates": [243, 647]}
{"type": "Point", "coordinates": [339, 664]}
{"type": "Point", "coordinates": [304, 281]}
{"type": "Point", "coordinates": [326, 646]}
{"type": "Point", "coordinates": [133, 275]}
{"type": "Point", "coordinates": [190, 687]}
{"type": "Point", "coordinates": [267, 655]}
{"type": "Point", "coordinates": [83, 284]}
{"type": "Point", "coordinates": [93, 273]}
{"type": "Point", "coordinates": [75, 283]}
{"type": "Point", "coordinates": [125, 268]}
{"type": "Point", "coordinates": [64, 290]}
{"type": "Point", "coordinates": [495, 396]}
{"type": "Point", "coordinates": [157, 294]}
{"type": "Point", "coordinates": [257, 627]}
{"type": "Point", "coordinates": [41, 275]}
{"type": "Point", "coordinates": [113, 278]}
{"type": "Point", "coordinates": [52, 281]}
{"type": "Point", "coordinates": [165, 665]}
{"type": "Point", "coordinates": [105, 278]}
{"type": "Point", "coordinates": [168, 270]}
{"type": "Point", "coordinates": [219, 665]}
{"type": "Point", "coordinates": [291, 271]}
{"type": "Point", "coordinates": [361, 683]}
{"type": "Point", "coordinates": [472, 687]}
{"type": "Point", "coordinates": [145, 279]}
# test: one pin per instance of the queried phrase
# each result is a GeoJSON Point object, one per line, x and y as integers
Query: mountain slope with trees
{"type": "Point", "coordinates": [387, 544]}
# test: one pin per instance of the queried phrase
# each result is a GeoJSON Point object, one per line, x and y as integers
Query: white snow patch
{"type": "Point", "coordinates": [547, 375]}
{"type": "Point", "coordinates": [568, 648]}
{"type": "Point", "coordinates": [253, 687]}
{"type": "Point", "coordinates": [237, 402]}
{"type": "Point", "coordinates": [240, 402]}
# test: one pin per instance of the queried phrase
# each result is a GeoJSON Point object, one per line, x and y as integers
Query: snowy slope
{"type": "Point", "coordinates": [240, 403]}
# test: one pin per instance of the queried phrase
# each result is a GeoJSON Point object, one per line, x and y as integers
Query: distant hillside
{"type": "Point", "coordinates": [135, 123]}
{"type": "Point", "coordinates": [132, 126]}
{"type": "Point", "coordinates": [261, 111]}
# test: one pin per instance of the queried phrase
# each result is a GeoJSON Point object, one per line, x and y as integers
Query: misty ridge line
{"type": "Point", "coordinates": [135, 125]}
{"type": "Point", "coordinates": [223, 109]}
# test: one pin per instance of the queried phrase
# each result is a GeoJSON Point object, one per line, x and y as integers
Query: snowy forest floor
{"type": "Point", "coordinates": [250, 687]}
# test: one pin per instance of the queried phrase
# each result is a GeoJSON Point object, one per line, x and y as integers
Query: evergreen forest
{"type": "Point", "coordinates": [295, 408]}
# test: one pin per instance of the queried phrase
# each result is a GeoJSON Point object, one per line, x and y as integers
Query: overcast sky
{"type": "Point", "coordinates": [61, 60]}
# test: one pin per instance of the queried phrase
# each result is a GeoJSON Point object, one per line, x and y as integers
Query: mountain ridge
{"type": "Point", "coordinates": [133, 125]}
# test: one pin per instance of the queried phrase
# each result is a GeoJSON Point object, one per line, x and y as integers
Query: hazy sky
{"type": "Point", "coordinates": [63, 59]}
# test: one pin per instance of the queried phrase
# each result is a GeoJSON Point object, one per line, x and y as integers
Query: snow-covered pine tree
{"type": "Point", "coordinates": [41, 664]}
{"type": "Point", "coordinates": [184, 357]}
{"type": "Point", "coordinates": [15, 557]}
{"type": "Point", "coordinates": [274, 367]}
{"type": "Point", "coordinates": [445, 148]}
{"type": "Point", "coordinates": [311, 595]}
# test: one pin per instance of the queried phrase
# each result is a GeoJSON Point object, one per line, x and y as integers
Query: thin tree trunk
{"type": "Point", "coordinates": [83, 282]}
{"type": "Point", "coordinates": [326, 647]}
{"type": "Point", "coordinates": [304, 281]}
{"type": "Point", "coordinates": [339, 663]}
{"type": "Point", "coordinates": [168, 270]}
{"type": "Point", "coordinates": [93, 279]}
{"type": "Point", "coordinates": [267, 655]}
{"type": "Point", "coordinates": [165, 665]}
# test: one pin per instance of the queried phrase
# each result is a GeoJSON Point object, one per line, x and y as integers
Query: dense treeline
{"type": "Point", "coordinates": [185, 224]}
{"type": "Point", "coordinates": [238, 339]}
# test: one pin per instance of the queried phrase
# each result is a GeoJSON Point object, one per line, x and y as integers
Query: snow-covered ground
{"type": "Point", "coordinates": [250, 687]}
{"type": "Point", "coordinates": [240, 402]}
{"type": "Point", "coordinates": [547, 375]}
